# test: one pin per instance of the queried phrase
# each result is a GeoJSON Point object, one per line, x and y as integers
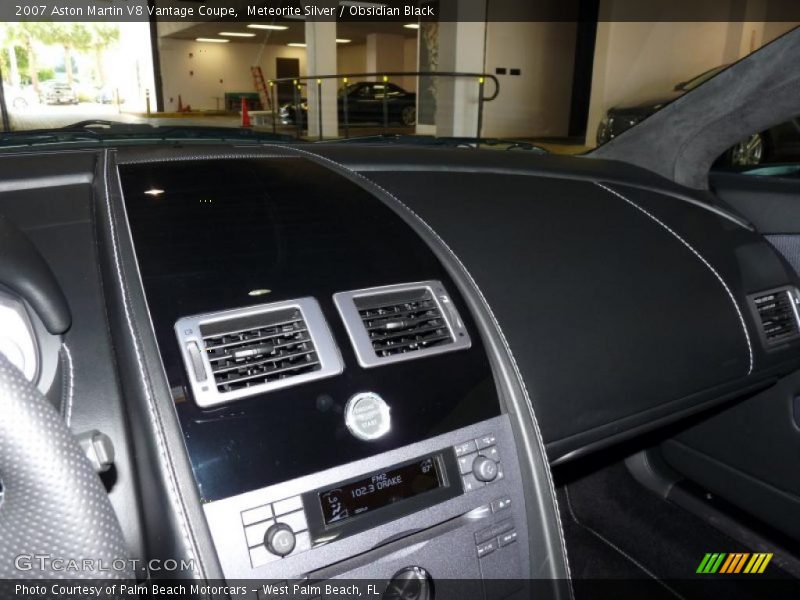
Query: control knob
{"type": "Point", "coordinates": [279, 539]}
{"type": "Point", "coordinates": [484, 469]}
{"type": "Point", "coordinates": [410, 583]}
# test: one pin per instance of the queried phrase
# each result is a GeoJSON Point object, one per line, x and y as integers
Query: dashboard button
{"type": "Point", "coordinates": [486, 441]}
{"type": "Point", "coordinates": [502, 527]}
{"type": "Point", "coordinates": [470, 483]}
{"type": "Point", "coordinates": [281, 507]}
{"type": "Point", "coordinates": [261, 556]}
{"type": "Point", "coordinates": [507, 538]}
{"type": "Point", "coordinates": [484, 535]}
{"type": "Point", "coordinates": [255, 515]}
{"type": "Point", "coordinates": [255, 533]}
{"type": "Point", "coordinates": [465, 464]}
{"type": "Point", "coordinates": [484, 469]}
{"type": "Point", "coordinates": [466, 448]}
{"type": "Point", "coordinates": [280, 539]}
{"type": "Point", "coordinates": [487, 548]}
{"type": "Point", "coordinates": [295, 520]}
{"type": "Point", "coordinates": [303, 541]}
{"type": "Point", "coordinates": [491, 452]}
{"type": "Point", "coordinates": [501, 504]}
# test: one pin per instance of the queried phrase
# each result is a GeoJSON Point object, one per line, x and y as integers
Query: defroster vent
{"type": "Point", "coordinates": [234, 354]}
{"type": "Point", "coordinates": [777, 316]}
{"type": "Point", "coordinates": [401, 322]}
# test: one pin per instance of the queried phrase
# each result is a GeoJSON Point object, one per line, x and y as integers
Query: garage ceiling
{"type": "Point", "coordinates": [357, 32]}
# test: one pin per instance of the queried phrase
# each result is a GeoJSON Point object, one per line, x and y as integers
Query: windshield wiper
{"type": "Point", "coordinates": [96, 130]}
{"type": "Point", "coordinates": [449, 141]}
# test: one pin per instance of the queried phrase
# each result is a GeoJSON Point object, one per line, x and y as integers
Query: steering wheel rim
{"type": "Point", "coordinates": [53, 504]}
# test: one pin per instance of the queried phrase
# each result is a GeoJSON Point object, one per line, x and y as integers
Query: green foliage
{"type": "Point", "coordinates": [103, 35]}
{"type": "Point", "coordinates": [75, 36]}
{"type": "Point", "coordinates": [46, 74]}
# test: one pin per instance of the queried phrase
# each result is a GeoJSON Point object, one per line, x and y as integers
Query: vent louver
{"type": "Point", "coordinates": [239, 353]}
{"type": "Point", "coordinates": [407, 323]}
{"type": "Point", "coordinates": [401, 322]}
{"type": "Point", "coordinates": [777, 316]}
{"type": "Point", "coordinates": [261, 352]}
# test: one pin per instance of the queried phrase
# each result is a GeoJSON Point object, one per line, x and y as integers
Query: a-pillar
{"type": "Point", "coordinates": [321, 60]}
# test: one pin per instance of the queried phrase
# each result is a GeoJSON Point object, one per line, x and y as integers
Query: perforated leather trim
{"type": "Point", "coordinates": [54, 503]}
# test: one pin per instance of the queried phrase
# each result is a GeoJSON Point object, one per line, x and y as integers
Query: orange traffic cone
{"type": "Point", "coordinates": [245, 114]}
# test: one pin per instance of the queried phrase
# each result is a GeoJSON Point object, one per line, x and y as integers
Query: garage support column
{"type": "Point", "coordinates": [321, 60]}
{"type": "Point", "coordinates": [462, 45]}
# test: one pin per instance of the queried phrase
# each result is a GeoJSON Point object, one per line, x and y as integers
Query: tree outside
{"type": "Point", "coordinates": [24, 43]}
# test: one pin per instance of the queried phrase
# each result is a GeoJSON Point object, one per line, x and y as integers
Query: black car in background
{"type": "Point", "coordinates": [779, 143]}
{"type": "Point", "coordinates": [365, 101]}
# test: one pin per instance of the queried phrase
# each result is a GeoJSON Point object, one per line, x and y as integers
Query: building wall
{"type": "Point", "coordinates": [535, 103]}
{"type": "Point", "coordinates": [202, 72]}
{"type": "Point", "coordinates": [351, 58]}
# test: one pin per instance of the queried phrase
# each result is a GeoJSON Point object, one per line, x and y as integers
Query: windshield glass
{"type": "Point", "coordinates": [566, 86]}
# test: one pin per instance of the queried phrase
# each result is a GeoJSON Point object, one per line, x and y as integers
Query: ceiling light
{"type": "Point", "coordinates": [342, 41]}
{"type": "Point", "coordinates": [259, 292]}
{"type": "Point", "coordinates": [273, 27]}
{"type": "Point", "coordinates": [411, 25]}
{"type": "Point", "coordinates": [237, 34]}
{"type": "Point", "coordinates": [212, 40]}
{"type": "Point", "coordinates": [154, 192]}
{"type": "Point", "coordinates": [297, 44]}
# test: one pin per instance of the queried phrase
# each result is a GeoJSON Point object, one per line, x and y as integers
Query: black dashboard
{"type": "Point", "coordinates": [599, 301]}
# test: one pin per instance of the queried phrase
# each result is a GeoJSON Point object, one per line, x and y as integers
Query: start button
{"type": "Point", "coordinates": [367, 416]}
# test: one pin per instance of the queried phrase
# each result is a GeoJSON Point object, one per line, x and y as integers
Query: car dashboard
{"type": "Point", "coordinates": [313, 358]}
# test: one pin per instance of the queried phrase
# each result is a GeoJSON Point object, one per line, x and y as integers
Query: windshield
{"type": "Point", "coordinates": [566, 86]}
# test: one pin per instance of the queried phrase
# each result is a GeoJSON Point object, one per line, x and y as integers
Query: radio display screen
{"type": "Point", "coordinates": [381, 489]}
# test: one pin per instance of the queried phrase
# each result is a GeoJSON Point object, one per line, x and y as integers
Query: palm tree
{"type": "Point", "coordinates": [9, 38]}
{"type": "Point", "coordinates": [102, 36]}
{"type": "Point", "coordinates": [27, 33]}
{"type": "Point", "coordinates": [70, 36]}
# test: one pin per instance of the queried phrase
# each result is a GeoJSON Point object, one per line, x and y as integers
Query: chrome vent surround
{"type": "Point", "coordinates": [238, 353]}
{"type": "Point", "coordinates": [401, 322]}
{"type": "Point", "coordinates": [777, 316]}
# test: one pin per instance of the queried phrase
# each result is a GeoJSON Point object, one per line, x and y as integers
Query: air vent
{"type": "Point", "coordinates": [776, 312]}
{"type": "Point", "coordinates": [401, 322]}
{"type": "Point", "coordinates": [234, 354]}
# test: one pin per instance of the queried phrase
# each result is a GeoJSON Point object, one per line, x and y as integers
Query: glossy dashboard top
{"type": "Point", "coordinates": [222, 228]}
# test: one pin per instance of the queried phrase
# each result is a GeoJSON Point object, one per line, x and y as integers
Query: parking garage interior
{"type": "Point", "coordinates": [550, 82]}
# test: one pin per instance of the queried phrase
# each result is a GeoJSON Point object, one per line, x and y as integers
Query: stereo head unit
{"type": "Point", "coordinates": [358, 504]}
{"type": "Point", "coordinates": [381, 489]}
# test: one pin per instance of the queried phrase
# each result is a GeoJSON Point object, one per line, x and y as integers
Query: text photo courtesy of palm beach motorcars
{"type": "Point", "coordinates": [399, 300]}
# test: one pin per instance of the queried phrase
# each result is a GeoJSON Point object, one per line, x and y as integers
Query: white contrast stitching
{"type": "Point", "coordinates": [488, 308]}
{"type": "Point", "coordinates": [700, 257]}
{"type": "Point", "coordinates": [614, 546]}
{"type": "Point", "coordinates": [172, 485]}
{"type": "Point", "coordinates": [163, 159]}
{"type": "Point", "coordinates": [70, 386]}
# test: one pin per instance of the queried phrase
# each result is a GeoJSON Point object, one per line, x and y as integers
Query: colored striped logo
{"type": "Point", "coordinates": [735, 562]}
